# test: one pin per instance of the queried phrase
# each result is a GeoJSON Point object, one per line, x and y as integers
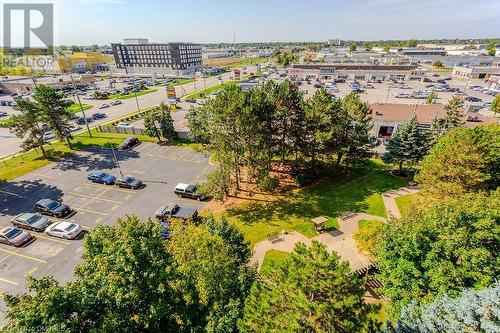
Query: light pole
{"type": "Point", "coordinates": [81, 106]}
{"type": "Point", "coordinates": [116, 160]}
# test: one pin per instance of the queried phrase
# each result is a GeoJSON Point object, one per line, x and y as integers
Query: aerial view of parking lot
{"type": "Point", "coordinates": [250, 166]}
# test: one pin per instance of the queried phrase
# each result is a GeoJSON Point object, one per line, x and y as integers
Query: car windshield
{"type": "Point", "coordinates": [12, 233]}
{"type": "Point", "coordinates": [129, 179]}
{"type": "Point", "coordinates": [69, 227]}
{"type": "Point", "coordinates": [53, 204]}
{"type": "Point", "coordinates": [33, 219]}
{"type": "Point", "coordinates": [102, 175]}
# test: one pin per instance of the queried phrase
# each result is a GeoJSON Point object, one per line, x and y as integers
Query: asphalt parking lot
{"type": "Point", "coordinates": [159, 167]}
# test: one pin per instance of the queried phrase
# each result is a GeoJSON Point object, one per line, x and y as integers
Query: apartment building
{"type": "Point", "coordinates": [139, 57]}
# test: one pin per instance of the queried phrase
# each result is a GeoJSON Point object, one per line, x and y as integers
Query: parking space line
{"type": "Point", "coordinates": [33, 270]}
{"type": "Point", "coordinates": [163, 152]}
{"type": "Point", "coordinates": [10, 193]}
{"type": "Point", "coordinates": [90, 211]}
{"type": "Point", "coordinates": [110, 188]}
{"type": "Point", "coordinates": [141, 148]}
{"type": "Point", "coordinates": [52, 239]}
{"type": "Point", "coordinates": [151, 154]}
{"type": "Point", "coordinates": [175, 151]}
{"type": "Point", "coordinates": [23, 256]}
{"type": "Point", "coordinates": [94, 198]}
{"type": "Point", "coordinates": [8, 281]}
{"type": "Point", "coordinates": [43, 176]}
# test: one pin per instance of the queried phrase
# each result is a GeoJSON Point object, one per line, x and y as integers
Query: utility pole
{"type": "Point", "coordinates": [81, 106]}
{"type": "Point", "coordinates": [116, 160]}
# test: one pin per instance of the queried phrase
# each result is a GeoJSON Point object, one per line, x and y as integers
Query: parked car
{"type": "Point", "coordinates": [98, 115]}
{"type": "Point", "coordinates": [52, 207]}
{"type": "Point", "coordinates": [129, 182]}
{"type": "Point", "coordinates": [172, 210]}
{"type": "Point", "coordinates": [3, 114]}
{"type": "Point", "coordinates": [117, 102]}
{"type": "Point", "coordinates": [402, 95]}
{"type": "Point", "coordinates": [101, 178]}
{"type": "Point", "coordinates": [339, 80]}
{"type": "Point", "coordinates": [473, 99]}
{"type": "Point", "coordinates": [124, 124]}
{"type": "Point", "coordinates": [317, 85]}
{"type": "Point", "coordinates": [426, 80]}
{"type": "Point", "coordinates": [64, 229]}
{"type": "Point", "coordinates": [190, 100]}
{"type": "Point", "coordinates": [189, 191]}
{"type": "Point", "coordinates": [14, 236]}
{"type": "Point", "coordinates": [81, 120]}
{"type": "Point", "coordinates": [104, 106]}
{"type": "Point", "coordinates": [368, 86]}
{"type": "Point", "coordinates": [48, 136]}
{"type": "Point", "coordinates": [129, 143]}
{"type": "Point", "coordinates": [31, 221]}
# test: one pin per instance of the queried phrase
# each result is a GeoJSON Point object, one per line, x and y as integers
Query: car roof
{"type": "Point", "coordinates": [5, 229]}
{"type": "Point", "coordinates": [181, 186]}
{"type": "Point", "coordinates": [24, 216]}
{"type": "Point", "coordinates": [63, 224]}
{"type": "Point", "coordinates": [45, 201]}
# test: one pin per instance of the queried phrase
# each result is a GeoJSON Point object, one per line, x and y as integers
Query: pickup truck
{"type": "Point", "coordinates": [172, 210]}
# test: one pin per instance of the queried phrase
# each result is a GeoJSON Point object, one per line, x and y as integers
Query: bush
{"type": "Point", "coordinates": [368, 235]}
{"type": "Point", "coordinates": [267, 183]}
{"type": "Point", "coordinates": [304, 178]}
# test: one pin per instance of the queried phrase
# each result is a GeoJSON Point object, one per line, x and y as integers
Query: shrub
{"type": "Point", "coordinates": [368, 235]}
{"type": "Point", "coordinates": [267, 183]}
{"type": "Point", "coordinates": [304, 178]}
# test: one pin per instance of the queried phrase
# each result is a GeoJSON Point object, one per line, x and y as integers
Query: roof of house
{"type": "Point", "coordinates": [425, 113]}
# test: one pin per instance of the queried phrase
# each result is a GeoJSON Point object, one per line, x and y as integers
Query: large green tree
{"type": "Point", "coordinates": [495, 105]}
{"type": "Point", "coordinates": [133, 280]}
{"type": "Point", "coordinates": [462, 161]}
{"type": "Point", "coordinates": [26, 125]}
{"type": "Point", "coordinates": [54, 111]}
{"type": "Point", "coordinates": [408, 144]}
{"type": "Point", "coordinates": [311, 291]}
{"type": "Point", "coordinates": [441, 249]}
{"type": "Point", "coordinates": [151, 125]}
{"type": "Point", "coordinates": [166, 123]}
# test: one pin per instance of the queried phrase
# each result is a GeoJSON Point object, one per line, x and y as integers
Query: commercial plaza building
{"type": "Point", "coordinates": [479, 72]}
{"type": "Point", "coordinates": [359, 72]}
{"type": "Point", "coordinates": [139, 57]}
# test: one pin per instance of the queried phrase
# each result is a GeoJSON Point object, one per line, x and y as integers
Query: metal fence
{"type": "Point", "coordinates": [136, 131]}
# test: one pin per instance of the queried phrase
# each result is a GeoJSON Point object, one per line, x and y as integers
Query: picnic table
{"type": "Point", "coordinates": [319, 223]}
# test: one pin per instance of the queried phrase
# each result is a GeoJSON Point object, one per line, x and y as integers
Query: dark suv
{"type": "Point", "coordinates": [129, 143]}
{"type": "Point", "coordinates": [52, 207]}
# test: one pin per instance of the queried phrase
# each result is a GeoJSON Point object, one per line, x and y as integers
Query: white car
{"type": "Point", "coordinates": [402, 95]}
{"type": "Point", "coordinates": [125, 125]}
{"type": "Point", "coordinates": [48, 136]}
{"type": "Point", "coordinates": [66, 230]}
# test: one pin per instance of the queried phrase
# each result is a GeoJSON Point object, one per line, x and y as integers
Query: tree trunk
{"type": "Point", "coordinates": [68, 141]}
{"type": "Point", "coordinates": [339, 158]}
{"type": "Point", "coordinates": [44, 153]}
{"type": "Point", "coordinates": [400, 167]}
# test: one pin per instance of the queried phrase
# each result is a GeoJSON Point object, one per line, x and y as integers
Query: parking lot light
{"type": "Point", "coordinates": [116, 160]}
{"type": "Point", "coordinates": [81, 106]}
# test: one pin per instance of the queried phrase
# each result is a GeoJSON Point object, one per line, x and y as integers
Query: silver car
{"type": "Point", "coordinates": [65, 230]}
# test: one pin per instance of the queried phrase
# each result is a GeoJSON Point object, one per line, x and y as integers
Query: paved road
{"type": "Point", "coordinates": [10, 144]}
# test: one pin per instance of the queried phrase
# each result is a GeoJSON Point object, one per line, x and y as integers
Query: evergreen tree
{"type": "Point", "coordinates": [26, 125]}
{"type": "Point", "coordinates": [151, 129]}
{"type": "Point", "coordinates": [312, 291]}
{"type": "Point", "coordinates": [495, 105]}
{"type": "Point", "coordinates": [408, 144]}
{"type": "Point", "coordinates": [472, 311]}
{"type": "Point", "coordinates": [166, 123]}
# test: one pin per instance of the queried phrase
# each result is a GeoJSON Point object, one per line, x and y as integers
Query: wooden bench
{"type": "Point", "coordinates": [274, 238]}
{"type": "Point", "coordinates": [347, 215]}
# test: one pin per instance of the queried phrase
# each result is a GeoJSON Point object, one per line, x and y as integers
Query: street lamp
{"type": "Point", "coordinates": [81, 106]}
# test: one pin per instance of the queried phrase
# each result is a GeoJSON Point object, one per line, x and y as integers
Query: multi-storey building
{"type": "Point", "coordinates": [138, 56]}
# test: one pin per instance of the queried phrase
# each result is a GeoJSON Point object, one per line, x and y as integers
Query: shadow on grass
{"type": "Point", "coordinates": [351, 190]}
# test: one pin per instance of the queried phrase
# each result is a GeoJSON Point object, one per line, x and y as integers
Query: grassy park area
{"type": "Point", "coordinates": [404, 202]}
{"type": "Point", "coordinates": [353, 190]}
{"type": "Point", "coordinates": [272, 259]}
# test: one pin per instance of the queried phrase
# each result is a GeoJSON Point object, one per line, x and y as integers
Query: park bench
{"type": "Point", "coordinates": [273, 238]}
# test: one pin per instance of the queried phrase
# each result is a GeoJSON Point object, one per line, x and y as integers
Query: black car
{"type": "Point", "coordinates": [426, 80]}
{"type": "Point", "coordinates": [473, 99]}
{"type": "Point", "coordinates": [98, 115]}
{"type": "Point", "coordinates": [52, 207]}
{"type": "Point", "coordinates": [339, 80]}
{"type": "Point", "coordinates": [81, 120]}
{"type": "Point", "coordinates": [129, 143]}
{"type": "Point", "coordinates": [129, 182]}
{"type": "Point", "coordinates": [317, 85]}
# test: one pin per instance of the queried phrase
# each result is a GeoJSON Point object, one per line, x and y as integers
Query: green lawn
{"type": "Point", "coordinates": [75, 107]}
{"type": "Point", "coordinates": [131, 94]}
{"type": "Point", "coordinates": [205, 92]}
{"type": "Point", "coordinates": [248, 62]}
{"type": "Point", "coordinates": [357, 190]}
{"type": "Point", "coordinates": [182, 81]}
{"type": "Point", "coordinates": [272, 259]}
{"type": "Point", "coordinates": [404, 202]}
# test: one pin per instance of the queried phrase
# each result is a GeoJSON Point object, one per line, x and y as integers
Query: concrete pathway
{"type": "Point", "coordinates": [390, 203]}
{"type": "Point", "coordinates": [340, 240]}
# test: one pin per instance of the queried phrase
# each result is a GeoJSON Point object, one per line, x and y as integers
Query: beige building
{"type": "Point", "coordinates": [478, 72]}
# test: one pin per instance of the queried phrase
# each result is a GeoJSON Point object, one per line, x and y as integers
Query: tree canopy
{"type": "Point", "coordinates": [462, 161]}
{"type": "Point", "coordinates": [133, 280]}
{"type": "Point", "coordinates": [441, 249]}
{"type": "Point", "coordinates": [312, 291]}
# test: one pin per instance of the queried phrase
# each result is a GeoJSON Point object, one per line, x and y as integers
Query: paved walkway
{"type": "Point", "coordinates": [339, 240]}
{"type": "Point", "coordinates": [390, 203]}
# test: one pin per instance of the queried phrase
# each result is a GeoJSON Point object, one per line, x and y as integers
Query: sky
{"type": "Point", "coordinates": [85, 22]}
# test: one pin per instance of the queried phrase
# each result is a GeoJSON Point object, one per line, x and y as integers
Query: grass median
{"type": "Point", "coordinates": [206, 92]}
{"type": "Point", "coordinates": [132, 94]}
